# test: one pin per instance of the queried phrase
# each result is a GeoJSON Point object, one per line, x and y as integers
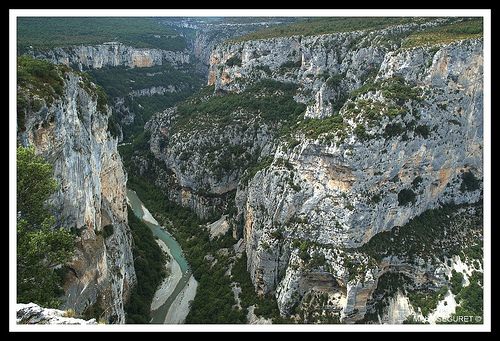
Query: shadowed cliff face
{"type": "Point", "coordinates": [71, 131]}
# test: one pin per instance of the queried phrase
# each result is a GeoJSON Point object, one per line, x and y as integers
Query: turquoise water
{"type": "Point", "coordinates": [158, 316]}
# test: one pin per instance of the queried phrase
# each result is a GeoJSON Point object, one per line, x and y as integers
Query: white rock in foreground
{"type": "Point", "coordinates": [31, 313]}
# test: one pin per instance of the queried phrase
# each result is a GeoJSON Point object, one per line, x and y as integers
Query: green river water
{"type": "Point", "coordinates": [158, 316]}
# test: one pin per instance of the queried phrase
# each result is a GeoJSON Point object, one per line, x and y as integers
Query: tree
{"type": "Point", "coordinates": [41, 247]}
{"type": "Point", "coordinates": [406, 196]}
{"type": "Point", "coordinates": [34, 186]}
{"type": "Point", "coordinates": [469, 182]}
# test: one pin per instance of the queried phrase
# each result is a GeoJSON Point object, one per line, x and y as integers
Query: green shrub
{"type": "Point", "coordinates": [406, 196]}
{"type": "Point", "coordinates": [469, 182]}
{"type": "Point", "coordinates": [422, 130]}
{"type": "Point", "coordinates": [234, 60]}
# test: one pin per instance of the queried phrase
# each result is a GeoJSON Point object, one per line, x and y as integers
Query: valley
{"type": "Point", "coordinates": [313, 170]}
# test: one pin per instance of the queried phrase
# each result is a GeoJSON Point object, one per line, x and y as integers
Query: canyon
{"type": "Point", "coordinates": [409, 122]}
{"type": "Point", "coordinates": [311, 150]}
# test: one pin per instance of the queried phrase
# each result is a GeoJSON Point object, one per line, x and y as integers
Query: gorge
{"type": "Point", "coordinates": [341, 168]}
{"type": "Point", "coordinates": [162, 302]}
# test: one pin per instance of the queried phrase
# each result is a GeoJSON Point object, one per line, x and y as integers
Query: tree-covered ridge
{"type": "Point", "coordinates": [447, 29]}
{"type": "Point", "coordinates": [462, 28]}
{"type": "Point", "coordinates": [324, 25]}
{"type": "Point", "coordinates": [267, 101]}
{"type": "Point", "coordinates": [50, 32]}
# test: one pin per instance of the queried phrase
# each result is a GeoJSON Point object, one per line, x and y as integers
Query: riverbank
{"type": "Point", "coordinates": [180, 306]}
{"type": "Point", "coordinates": [168, 284]}
{"type": "Point", "coordinates": [177, 269]}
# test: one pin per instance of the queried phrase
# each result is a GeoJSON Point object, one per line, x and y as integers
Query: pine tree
{"type": "Point", "coordinates": [41, 247]}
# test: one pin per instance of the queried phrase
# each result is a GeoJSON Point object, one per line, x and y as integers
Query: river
{"type": "Point", "coordinates": [159, 315]}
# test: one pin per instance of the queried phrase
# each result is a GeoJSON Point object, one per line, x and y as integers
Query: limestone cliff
{"type": "Point", "coordinates": [332, 143]}
{"type": "Point", "coordinates": [202, 33]}
{"type": "Point", "coordinates": [68, 124]}
{"type": "Point", "coordinates": [84, 57]}
{"type": "Point", "coordinates": [392, 156]}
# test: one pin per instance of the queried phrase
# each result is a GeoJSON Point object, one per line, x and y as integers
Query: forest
{"type": "Point", "coordinates": [136, 32]}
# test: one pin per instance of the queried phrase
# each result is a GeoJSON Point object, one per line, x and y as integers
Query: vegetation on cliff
{"type": "Point", "coordinates": [466, 28]}
{"type": "Point", "coordinates": [437, 235]}
{"type": "Point", "coordinates": [41, 247]}
{"type": "Point", "coordinates": [41, 81]}
{"type": "Point", "coordinates": [452, 29]}
{"type": "Point", "coordinates": [267, 102]}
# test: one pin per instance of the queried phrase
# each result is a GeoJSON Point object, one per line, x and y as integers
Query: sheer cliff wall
{"type": "Point", "coordinates": [387, 133]}
{"type": "Point", "coordinates": [71, 131]}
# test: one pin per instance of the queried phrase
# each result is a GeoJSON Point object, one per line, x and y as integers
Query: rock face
{"type": "Point", "coordinates": [308, 61]}
{"type": "Point", "coordinates": [202, 34]}
{"type": "Point", "coordinates": [84, 57]}
{"type": "Point", "coordinates": [351, 191]}
{"type": "Point", "coordinates": [203, 164]}
{"type": "Point", "coordinates": [159, 73]}
{"type": "Point", "coordinates": [31, 313]}
{"type": "Point", "coordinates": [387, 133]}
{"type": "Point", "coordinates": [71, 131]}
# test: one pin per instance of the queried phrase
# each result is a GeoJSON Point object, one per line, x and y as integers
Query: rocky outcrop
{"type": "Point", "coordinates": [351, 191]}
{"type": "Point", "coordinates": [404, 143]}
{"type": "Point", "coordinates": [84, 57]}
{"type": "Point", "coordinates": [202, 34]}
{"type": "Point", "coordinates": [71, 131]}
{"type": "Point", "coordinates": [200, 169]}
{"type": "Point", "coordinates": [31, 313]}
{"type": "Point", "coordinates": [327, 67]}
